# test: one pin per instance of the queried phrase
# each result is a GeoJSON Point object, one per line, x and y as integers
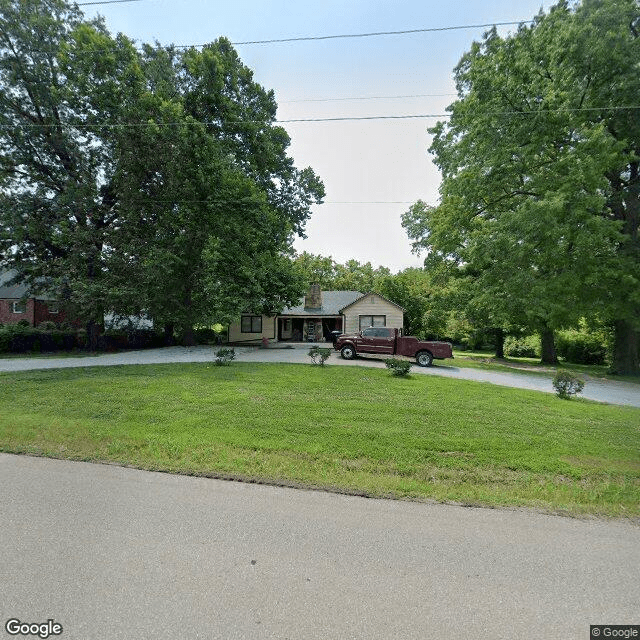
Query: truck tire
{"type": "Point", "coordinates": [424, 358]}
{"type": "Point", "coordinates": [348, 352]}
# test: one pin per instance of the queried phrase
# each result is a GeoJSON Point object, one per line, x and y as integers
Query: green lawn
{"type": "Point", "coordinates": [486, 360]}
{"type": "Point", "coordinates": [341, 428]}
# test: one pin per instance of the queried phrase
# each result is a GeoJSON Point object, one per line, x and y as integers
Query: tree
{"type": "Point", "coordinates": [329, 274]}
{"type": "Point", "coordinates": [57, 163]}
{"type": "Point", "coordinates": [148, 180]}
{"type": "Point", "coordinates": [540, 198]}
{"type": "Point", "coordinates": [316, 269]}
{"type": "Point", "coordinates": [223, 201]}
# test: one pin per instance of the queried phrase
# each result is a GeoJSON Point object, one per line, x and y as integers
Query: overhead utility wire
{"type": "Point", "coordinates": [109, 125]}
{"type": "Point", "coordinates": [418, 95]}
{"type": "Point", "coordinates": [329, 37]}
{"type": "Point", "coordinates": [86, 4]}
{"type": "Point", "coordinates": [381, 33]}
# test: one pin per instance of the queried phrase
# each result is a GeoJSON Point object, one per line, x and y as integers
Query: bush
{"type": "Point", "coordinates": [319, 355]}
{"type": "Point", "coordinates": [527, 347]}
{"type": "Point", "coordinates": [224, 356]}
{"type": "Point", "coordinates": [47, 325]}
{"type": "Point", "coordinates": [567, 385]}
{"type": "Point", "coordinates": [581, 347]}
{"type": "Point", "coordinates": [398, 367]}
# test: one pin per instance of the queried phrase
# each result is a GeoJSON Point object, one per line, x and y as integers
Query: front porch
{"type": "Point", "coordinates": [307, 329]}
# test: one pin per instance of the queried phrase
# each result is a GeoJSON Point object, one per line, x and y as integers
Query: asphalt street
{"type": "Point", "coordinates": [115, 553]}
{"type": "Point", "coordinates": [614, 392]}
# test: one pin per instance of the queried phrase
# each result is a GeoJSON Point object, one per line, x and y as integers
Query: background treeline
{"type": "Point", "coordinates": [436, 305]}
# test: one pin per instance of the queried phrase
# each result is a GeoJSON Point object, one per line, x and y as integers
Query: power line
{"type": "Point", "coordinates": [417, 95]}
{"type": "Point", "coordinates": [328, 37]}
{"type": "Point", "coordinates": [86, 4]}
{"type": "Point", "coordinates": [381, 33]}
{"type": "Point", "coordinates": [116, 125]}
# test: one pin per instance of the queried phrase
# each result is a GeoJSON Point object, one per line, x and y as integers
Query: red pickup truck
{"type": "Point", "coordinates": [386, 340]}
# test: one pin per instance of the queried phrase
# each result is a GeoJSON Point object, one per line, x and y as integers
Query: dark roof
{"type": "Point", "coordinates": [332, 302]}
{"type": "Point", "coordinates": [371, 293]}
{"type": "Point", "coordinates": [17, 290]}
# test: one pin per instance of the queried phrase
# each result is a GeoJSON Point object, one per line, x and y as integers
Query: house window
{"type": "Point", "coordinates": [251, 324]}
{"type": "Point", "coordinates": [19, 307]}
{"type": "Point", "coordinates": [52, 308]}
{"type": "Point", "coordinates": [372, 321]}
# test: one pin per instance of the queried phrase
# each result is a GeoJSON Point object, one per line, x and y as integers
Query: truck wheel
{"type": "Point", "coordinates": [424, 358]}
{"type": "Point", "coordinates": [348, 352]}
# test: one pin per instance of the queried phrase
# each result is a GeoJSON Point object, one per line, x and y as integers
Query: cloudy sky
{"type": "Point", "coordinates": [372, 169]}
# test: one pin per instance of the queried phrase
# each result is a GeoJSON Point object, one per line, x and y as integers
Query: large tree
{"type": "Point", "coordinates": [142, 180]}
{"type": "Point", "coordinates": [61, 79]}
{"type": "Point", "coordinates": [540, 198]}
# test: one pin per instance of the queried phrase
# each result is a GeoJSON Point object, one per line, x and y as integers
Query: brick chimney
{"type": "Point", "coordinates": [313, 299]}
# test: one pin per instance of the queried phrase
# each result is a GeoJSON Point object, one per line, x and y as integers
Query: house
{"type": "Point", "coordinates": [316, 316]}
{"type": "Point", "coordinates": [17, 303]}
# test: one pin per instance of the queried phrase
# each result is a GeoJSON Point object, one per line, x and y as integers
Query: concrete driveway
{"type": "Point", "coordinates": [613, 392]}
{"type": "Point", "coordinates": [110, 552]}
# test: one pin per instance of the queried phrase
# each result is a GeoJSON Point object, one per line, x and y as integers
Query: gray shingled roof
{"type": "Point", "coordinates": [332, 302]}
{"type": "Point", "coordinates": [16, 291]}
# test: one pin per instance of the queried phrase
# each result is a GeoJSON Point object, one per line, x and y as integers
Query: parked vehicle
{"type": "Point", "coordinates": [385, 340]}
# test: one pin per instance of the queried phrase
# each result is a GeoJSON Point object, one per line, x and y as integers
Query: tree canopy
{"type": "Point", "coordinates": [540, 198]}
{"type": "Point", "coordinates": [148, 179]}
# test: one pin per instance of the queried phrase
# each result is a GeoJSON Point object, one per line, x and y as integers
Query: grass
{"type": "Point", "coordinates": [348, 429]}
{"type": "Point", "coordinates": [486, 360]}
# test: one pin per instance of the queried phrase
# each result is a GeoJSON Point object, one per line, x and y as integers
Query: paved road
{"type": "Point", "coordinates": [614, 392]}
{"type": "Point", "coordinates": [117, 553]}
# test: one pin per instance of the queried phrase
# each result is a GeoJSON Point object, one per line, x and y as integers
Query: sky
{"type": "Point", "coordinates": [373, 170]}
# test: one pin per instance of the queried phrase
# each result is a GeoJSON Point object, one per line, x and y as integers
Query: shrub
{"type": "Point", "coordinates": [47, 325]}
{"type": "Point", "coordinates": [567, 385]}
{"type": "Point", "coordinates": [319, 355]}
{"type": "Point", "coordinates": [224, 356]}
{"type": "Point", "coordinates": [581, 347]}
{"type": "Point", "coordinates": [398, 367]}
{"type": "Point", "coordinates": [527, 347]}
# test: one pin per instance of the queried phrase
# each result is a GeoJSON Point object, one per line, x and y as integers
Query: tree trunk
{"type": "Point", "coordinates": [169, 340]}
{"type": "Point", "coordinates": [548, 344]}
{"type": "Point", "coordinates": [93, 331]}
{"type": "Point", "coordinates": [499, 343]}
{"type": "Point", "coordinates": [626, 360]}
{"type": "Point", "coordinates": [188, 337]}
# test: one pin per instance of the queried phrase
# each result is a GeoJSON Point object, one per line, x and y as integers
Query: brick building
{"type": "Point", "coordinates": [17, 303]}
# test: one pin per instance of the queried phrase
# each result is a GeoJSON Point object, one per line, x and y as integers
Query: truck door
{"type": "Point", "coordinates": [386, 340]}
{"type": "Point", "coordinates": [377, 340]}
{"type": "Point", "coordinates": [369, 341]}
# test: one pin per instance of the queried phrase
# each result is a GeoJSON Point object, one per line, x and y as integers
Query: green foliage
{"type": "Point", "coordinates": [540, 174]}
{"type": "Point", "coordinates": [522, 347]}
{"type": "Point", "coordinates": [47, 325]}
{"type": "Point", "coordinates": [319, 355]}
{"type": "Point", "coordinates": [582, 347]}
{"type": "Point", "coordinates": [398, 367]}
{"type": "Point", "coordinates": [330, 275]}
{"type": "Point", "coordinates": [191, 222]}
{"type": "Point", "coordinates": [17, 338]}
{"type": "Point", "coordinates": [567, 385]}
{"type": "Point", "coordinates": [224, 356]}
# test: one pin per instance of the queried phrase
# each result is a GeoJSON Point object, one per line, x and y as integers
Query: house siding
{"type": "Point", "coordinates": [372, 305]}
{"type": "Point", "coordinates": [235, 333]}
